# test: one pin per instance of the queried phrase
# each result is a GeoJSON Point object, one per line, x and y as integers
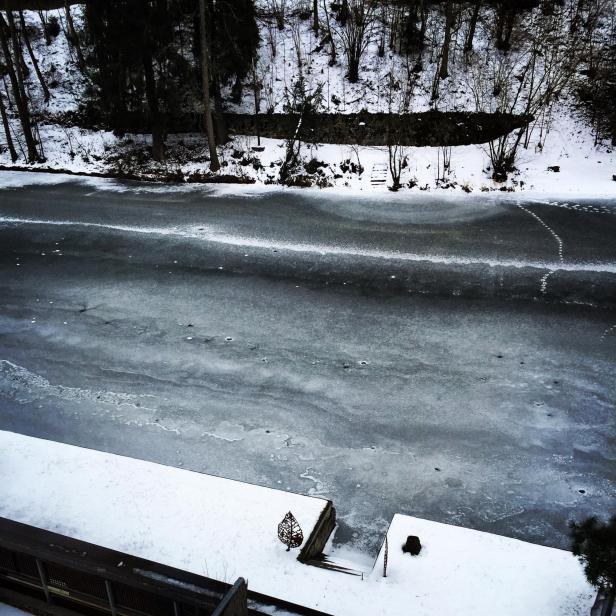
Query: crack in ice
{"type": "Point", "coordinates": [607, 332]}
{"type": "Point", "coordinates": [559, 242]}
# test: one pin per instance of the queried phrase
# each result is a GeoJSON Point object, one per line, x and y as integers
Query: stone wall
{"type": "Point", "coordinates": [432, 128]}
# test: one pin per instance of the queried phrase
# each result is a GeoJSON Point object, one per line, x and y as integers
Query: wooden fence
{"type": "Point", "coordinates": [49, 573]}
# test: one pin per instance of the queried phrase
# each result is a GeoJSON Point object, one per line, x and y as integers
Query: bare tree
{"type": "Point", "coordinates": [472, 27]}
{"type": "Point", "coordinates": [35, 64]}
{"type": "Point", "coordinates": [449, 19]}
{"type": "Point", "coordinates": [7, 130]}
{"type": "Point", "coordinates": [205, 82]}
{"type": "Point", "coordinates": [397, 162]}
{"type": "Point", "coordinates": [16, 76]}
{"type": "Point", "coordinates": [315, 16]}
{"type": "Point", "coordinates": [330, 37]}
{"type": "Point", "coordinates": [278, 9]}
{"type": "Point", "coordinates": [46, 32]}
{"type": "Point", "coordinates": [296, 32]}
{"type": "Point", "coordinates": [72, 36]}
{"type": "Point", "coordinates": [355, 33]}
{"type": "Point", "coordinates": [256, 88]}
{"type": "Point", "coordinates": [443, 164]}
{"type": "Point", "coordinates": [505, 20]}
{"type": "Point", "coordinates": [526, 80]}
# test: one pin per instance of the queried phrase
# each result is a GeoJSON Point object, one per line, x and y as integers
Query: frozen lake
{"type": "Point", "coordinates": [128, 325]}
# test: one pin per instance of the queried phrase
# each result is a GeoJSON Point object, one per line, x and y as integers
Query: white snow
{"type": "Point", "coordinates": [585, 169]}
{"type": "Point", "coordinates": [224, 529]}
{"type": "Point", "coordinates": [207, 524]}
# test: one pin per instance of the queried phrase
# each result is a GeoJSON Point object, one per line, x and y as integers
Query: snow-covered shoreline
{"type": "Point", "coordinates": [22, 176]}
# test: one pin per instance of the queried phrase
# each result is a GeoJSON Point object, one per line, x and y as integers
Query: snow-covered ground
{"type": "Point", "coordinates": [585, 168]}
{"type": "Point", "coordinates": [140, 507]}
{"type": "Point", "coordinates": [224, 529]}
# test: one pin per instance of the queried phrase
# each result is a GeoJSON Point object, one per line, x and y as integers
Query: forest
{"type": "Point", "coordinates": [185, 66]}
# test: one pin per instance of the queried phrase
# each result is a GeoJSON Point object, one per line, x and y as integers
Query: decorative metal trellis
{"type": "Point", "coordinates": [290, 532]}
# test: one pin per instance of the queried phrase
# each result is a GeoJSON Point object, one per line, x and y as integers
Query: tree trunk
{"type": "Point", "coordinates": [45, 28]}
{"type": "Point", "coordinates": [509, 29]}
{"type": "Point", "coordinates": [35, 63]}
{"type": "Point", "coordinates": [330, 36]}
{"type": "Point", "coordinates": [16, 78]}
{"type": "Point", "coordinates": [444, 69]}
{"type": "Point", "coordinates": [72, 36]}
{"type": "Point", "coordinates": [468, 45]}
{"type": "Point", "coordinates": [344, 12]}
{"type": "Point", "coordinates": [221, 135]}
{"type": "Point", "coordinates": [500, 24]}
{"type": "Point", "coordinates": [353, 70]}
{"type": "Point", "coordinates": [257, 99]}
{"type": "Point", "coordinates": [158, 140]}
{"type": "Point", "coordinates": [504, 27]}
{"type": "Point", "coordinates": [315, 16]}
{"type": "Point", "coordinates": [423, 13]}
{"type": "Point", "coordinates": [7, 130]}
{"type": "Point", "coordinates": [205, 80]}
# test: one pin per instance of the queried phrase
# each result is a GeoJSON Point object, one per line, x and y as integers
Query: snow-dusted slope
{"type": "Point", "coordinates": [585, 167]}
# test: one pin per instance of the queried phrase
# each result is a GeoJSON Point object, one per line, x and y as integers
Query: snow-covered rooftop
{"type": "Point", "coordinates": [224, 529]}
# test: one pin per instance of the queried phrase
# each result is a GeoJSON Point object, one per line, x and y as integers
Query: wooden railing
{"type": "Point", "coordinates": [53, 573]}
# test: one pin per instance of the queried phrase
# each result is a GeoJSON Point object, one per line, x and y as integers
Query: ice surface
{"type": "Point", "coordinates": [139, 344]}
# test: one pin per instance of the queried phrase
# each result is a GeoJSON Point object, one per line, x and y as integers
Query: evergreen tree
{"type": "Point", "coordinates": [235, 41]}
{"type": "Point", "coordinates": [594, 543]}
{"type": "Point", "coordinates": [147, 59]}
{"type": "Point", "coordinates": [139, 70]}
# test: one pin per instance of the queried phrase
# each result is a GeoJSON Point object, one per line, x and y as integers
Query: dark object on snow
{"type": "Point", "coordinates": [614, 178]}
{"type": "Point", "coordinates": [385, 557]}
{"type": "Point", "coordinates": [412, 545]}
{"type": "Point", "coordinates": [554, 168]}
{"type": "Point", "coordinates": [290, 532]}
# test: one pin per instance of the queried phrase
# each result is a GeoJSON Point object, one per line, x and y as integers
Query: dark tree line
{"type": "Point", "coordinates": [144, 59]}
{"type": "Point", "coordinates": [147, 59]}
{"type": "Point", "coordinates": [598, 90]}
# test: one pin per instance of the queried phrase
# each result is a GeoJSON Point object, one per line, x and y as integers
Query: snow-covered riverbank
{"type": "Point", "coordinates": [567, 143]}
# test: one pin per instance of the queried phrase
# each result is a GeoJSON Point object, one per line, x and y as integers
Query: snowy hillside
{"type": "Point", "coordinates": [561, 139]}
